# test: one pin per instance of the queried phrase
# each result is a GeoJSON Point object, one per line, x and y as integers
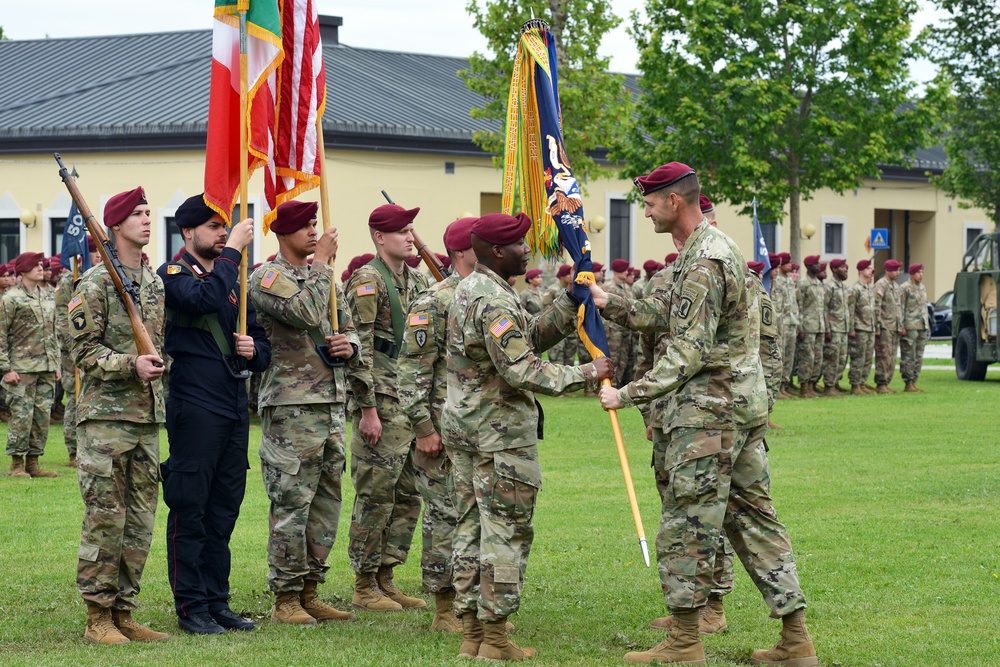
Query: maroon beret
{"type": "Point", "coordinates": [864, 264]}
{"type": "Point", "coordinates": [811, 260]}
{"type": "Point", "coordinates": [531, 273]}
{"type": "Point", "coordinates": [258, 265]}
{"type": "Point", "coordinates": [670, 259]}
{"type": "Point", "coordinates": [650, 265]}
{"type": "Point", "coordinates": [293, 216]}
{"type": "Point", "coordinates": [47, 263]}
{"type": "Point", "coordinates": [662, 177]}
{"type": "Point", "coordinates": [598, 267]}
{"type": "Point", "coordinates": [391, 217]}
{"type": "Point", "coordinates": [412, 261]}
{"type": "Point", "coordinates": [635, 272]}
{"type": "Point", "coordinates": [775, 259]}
{"type": "Point", "coordinates": [821, 267]}
{"type": "Point", "coordinates": [458, 235]}
{"type": "Point", "coordinates": [913, 268]}
{"type": "Point", "coordinates": [795, 267]}
{"type": "Point", "coordinates": [756, 267]}
{"type": "Point", "coordinates": [786, 258]}
{"type": "Point", "coordinates": [3, 270]}
{"type": "Point", "coordinates": [564, 271]}
{"type": "Point", "coordinates": [619, 266]}
{"type": "Point", "coordinates": [345, 276]}
{"type": "Point", "coordinates": [706, 204]}
{"type": "Point", "coordinates": [892, 265]}
{"type": "Point", "coordinates": [91, 244]}
{"type": "Point", "coordinates": [26, 261]}
{"type": "Point", "coordinates": [501, 229]}
{"type": "Point", "coordinates": [180, 253]}
{"type": "Point", "coordinates": [835, 263]}
{"type": "Point", "coordinates": [121, 206]}
{"type": "Point", "coordinates": [359, 261]}
{"type": "Point", "coordinates": [444, 259]}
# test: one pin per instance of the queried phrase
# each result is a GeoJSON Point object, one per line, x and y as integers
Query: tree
{"type": "Point", "coordinates": [966, 47]}
{"type": "Point", "coordinates": [596, 105]}
{"type": "Point", "coordinates": [776, 99]}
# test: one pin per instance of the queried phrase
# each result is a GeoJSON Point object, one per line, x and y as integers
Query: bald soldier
{"type": "Point", "coordinates": [715, 468]}
{"type": "Point", "coordinates": [386, 505]}
{"type": "Point", "coordinates": [491, 429]}
{"type": "Point", "coordinates": [302, 397]}
{"type": "Point", "coordinates": [423, 389]}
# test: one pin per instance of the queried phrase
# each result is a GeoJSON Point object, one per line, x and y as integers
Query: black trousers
{"type": "Point", "coordinates": [204, 481]}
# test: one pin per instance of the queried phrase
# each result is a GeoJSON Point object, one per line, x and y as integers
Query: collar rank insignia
{"type": "Point", "coordinates": [198, 269]}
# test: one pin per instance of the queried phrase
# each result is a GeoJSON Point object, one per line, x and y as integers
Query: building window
{"type": "Point", "coordinates": [834, 237]}
{"type": "Point", "coordinates": [972, 231]}
{"type": "Point", "coordinates": [175, 241]}
{"type": "Point", "coordinates": [58, 226]}
{"type": "Point", "coordinates": [10, 239]}
{"type": "Point", "coordinates": [620, 230]}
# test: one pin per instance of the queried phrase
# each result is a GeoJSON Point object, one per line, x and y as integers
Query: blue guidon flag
{"type": "Point", "coordinates": [537, 173]}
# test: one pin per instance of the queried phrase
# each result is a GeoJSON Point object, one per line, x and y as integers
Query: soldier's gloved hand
{"type": "Point", "coordinates": [339, 346]}
{"type": "Point", "coordinates": [609, 398]}
{"type": "Point", "coordinates": [430, 444]}
{"type": "Point", "coordinates": [148, 367]}
{"type": "Point", "coordinates": [370, 425]}
{"type": "Point", "coordinates": [605, 368]}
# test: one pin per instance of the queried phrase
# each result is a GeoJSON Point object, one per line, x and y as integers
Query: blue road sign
{"type": "Point", "coordinates": [879, 239]}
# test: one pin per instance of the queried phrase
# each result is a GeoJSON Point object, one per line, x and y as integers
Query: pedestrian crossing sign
{"type": "Point", "coordinates": [879, 239]}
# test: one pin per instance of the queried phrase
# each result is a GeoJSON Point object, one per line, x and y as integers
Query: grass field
{"type": "Point", "coordinates": [891, 502]}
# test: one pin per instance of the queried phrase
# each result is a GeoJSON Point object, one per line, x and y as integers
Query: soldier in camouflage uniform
{"type": "Point", "coordinates": [387, 504]}
{"type": "Point", "coordinates": [491, 425]}
{"type": "Point", "coordinates": [29, 364]}
{"type": "Point", "coordinates": [888, 325]}
{"type": "Point", "coordinates": [620, 347]}
{"type": "Point", "coordinates": [423, 377]}
{"type": "Point", "coordinates": [563, 352]}
{"type": "Point", "coordinates": [716, 470]}
{"type": "Point", "coordinates": [811, 300]}
{"type": "Point", "coordinates": [770, 350]}
{"type": "Point", "coordinates": [118, 414]}
{"type": "Point", "coordinates": [837, 318]}
{"type": "Point", "coordinates": [302, 399]}
{"type": "Point", "coordinates": [916, 328]}
{"type": "Point", "coordinates": [861, 328]}
{"type": "Point", "coordinates": [532, 296]}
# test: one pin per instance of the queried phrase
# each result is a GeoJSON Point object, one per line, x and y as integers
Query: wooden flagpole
{"type": "Point", "coordinates": [76, 371]}
{"type": "Point", "coordinates": [324, 199]}
{"type": "Point", "coordinates": [627, 471]}
{"type": "Point", "coordinates": [244, 168]}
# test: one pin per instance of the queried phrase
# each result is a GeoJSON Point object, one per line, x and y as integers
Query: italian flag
{"type": "Point", "coordinates": [264, 56]}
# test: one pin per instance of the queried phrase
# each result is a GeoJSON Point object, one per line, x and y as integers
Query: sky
{"type": "Point", "coordinates": [440, 27]}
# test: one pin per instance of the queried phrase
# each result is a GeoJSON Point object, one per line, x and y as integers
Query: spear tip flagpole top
{"type": "Point", "coordinates": [645, 550]}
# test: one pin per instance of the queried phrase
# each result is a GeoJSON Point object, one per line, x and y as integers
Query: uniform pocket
{"type": "Point", "coordinates": [182, 488]}
{"type": "Point", "coordinates": [516, 483]}
{"type": "Point", "coordinates": [89, 552]}
{"type": "Point", "coordinates": [694, 475]}
{"type": "Point", "coordinates": [94, 463]}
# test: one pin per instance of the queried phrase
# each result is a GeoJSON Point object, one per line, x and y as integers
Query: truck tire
{"type": "Point", "coordinates": [966, 366]}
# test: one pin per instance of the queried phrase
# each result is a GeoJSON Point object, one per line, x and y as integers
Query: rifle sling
{"type": "Point", "coordinates": [390, 348]}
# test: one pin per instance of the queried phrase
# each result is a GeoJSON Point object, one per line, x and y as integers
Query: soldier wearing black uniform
{"type": "Point", "coordinates": [207, 421]}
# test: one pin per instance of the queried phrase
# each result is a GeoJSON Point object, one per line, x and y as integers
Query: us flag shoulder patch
{"type": "Point", "coordinates": [269, 279]}
{"type": "Point", "coordinates": [74, 302]}
{"type": "Point", "coordinates": [501, 326]}
{"type": "Point", "coordinates": [418, 319]}
{"type": "Point", "coordinates": [366, 290]}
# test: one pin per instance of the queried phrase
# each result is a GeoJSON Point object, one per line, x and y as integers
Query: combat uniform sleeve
{"type": "Point", "coordinates": [852, 304]}
{"type": "Point", "coordinates": [692, 329]}
{"type": "Point", "coordinates": [510, 350]}
{"type": "Point", "coordinates": [643, 364]}
{"type": "Point", "coordinates": [304, 306]}
{"type": "Point", "coordinates": [88, 315]}
{"type": "Point", "coordinates": [362, 297]}
{"type": "Point", "coordinates": [422, 350]}
{"type": "Point", "coordinates": [553, 324]}
{"type": "Point", "coordinates": [877, 309]}
{"type": "Point", "coordinates": [648, 315]}
{"type": "Point", "coordinates": [6, 314]}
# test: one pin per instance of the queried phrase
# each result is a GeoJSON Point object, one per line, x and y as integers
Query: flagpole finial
{"type": "Point", "coordinates": [540, 24]}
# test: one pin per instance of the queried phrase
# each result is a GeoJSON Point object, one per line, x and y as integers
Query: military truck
{"type": "Point", "coordinates": [975, 344]}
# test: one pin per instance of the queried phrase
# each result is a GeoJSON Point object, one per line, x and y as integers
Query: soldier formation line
{"type": "Point", "coordinates": [438, 380]}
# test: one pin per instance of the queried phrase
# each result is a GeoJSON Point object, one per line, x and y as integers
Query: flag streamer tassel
{"type": "Point", "coordinates": [324, 199]}
{"type": "Point", "coordinates": [244, 168]}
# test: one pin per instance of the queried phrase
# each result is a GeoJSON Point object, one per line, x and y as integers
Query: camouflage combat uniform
{"type": "Point", "coordinates": [423, 388]}
{"type": "Point", "coordinates": [387, 504]}
{"type": "Point", "coordinates": [716, 409]}
{"type": "Point", "coordinates": [861, 307]}
{"type": "Point", "coordinates": [811, 300]}
{"type": "Point", "coordinates": [837, 321]}
{"type": "Point", "coordinates": [302, 451]}
{"type": "Point", "coordinates": [787, 308]}
{"type": "Point", "coordinates": [888, 324]}
{"type": "Point", "coordinates": [531, 300]}
{"type": "Point", "coordinates": [490, 423]}
{"type": "Point", "coordinates": [63, 294]}
{"type": "Point", "coordinates": [916, 322]}
{"type": "Point", "coordinates": [563, 352]}
{"type": "Point", "coordinates": [620, 347]}
{"type": "Point", "coordinates": [118, 426]}
{"type": "Point", "coordinates": [29, 346]}
{"type": "Point", "coordinates": [770, 350]}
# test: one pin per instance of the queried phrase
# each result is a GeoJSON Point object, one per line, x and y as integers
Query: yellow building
{"type": "Point", "coordinates": [131, 110]}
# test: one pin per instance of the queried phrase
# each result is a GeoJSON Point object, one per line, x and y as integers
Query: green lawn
{"type": "Point", "coordinates": [890, 502]}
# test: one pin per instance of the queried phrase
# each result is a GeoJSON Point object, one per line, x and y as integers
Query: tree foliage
{"type": "Point", "coordinates": [596, 105]}
{"type": "Point", "coordinates": [776, 99]}
{"type": "Point", "coordinates": [966, 47]}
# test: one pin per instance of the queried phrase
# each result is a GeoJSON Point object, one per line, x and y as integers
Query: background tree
{"type": "Point", "coordinates": [775, 99]}
{"type": "Point", "coordinates": [596, 105]}
{"type": "Point", "coordinates": [966, 47]}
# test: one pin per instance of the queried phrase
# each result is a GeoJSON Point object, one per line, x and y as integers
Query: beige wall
{"type": "Point", "coordinates": [937, 227]}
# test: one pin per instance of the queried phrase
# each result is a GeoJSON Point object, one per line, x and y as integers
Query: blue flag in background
{"type": "Point", "coordinates": [760, 251]}
{"type": "Point", "coordinates": [75, 241]}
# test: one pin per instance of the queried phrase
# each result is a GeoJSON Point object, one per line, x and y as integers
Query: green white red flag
{"type": "Point", "coordinates": [264, 56]}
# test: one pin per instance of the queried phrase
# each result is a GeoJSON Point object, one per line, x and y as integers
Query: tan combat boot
{"type": "Point", "coordinates": [101, 629]}
{"type": "Point", "coordinates": [17, 467]}
{"type": "Point", "coordinates": [795, 648]}
{"type": "Point", "coordinates": [712, 619]}
{"type": "Point", "coordinates": [472, 635]}
{"type": "Point", "coordinates": [883, 389]}
{"type": "Point", "coordinates": [321, 611]}
{"type": "Point", "coordinates": [856, 390]}
{"type": "Point", "coordinates": [288, 609]}
{"type": "Point", "coordinates": [681, 647]}
{"type": "Point", "coordinates": [910, 388]}
{"type": "Point", "coordinates": [784, 392]}
{"type": "Point", "coordinates": [772, 425]}
{"type": "Point", "coordinates": [394, 594]}
{"type": "Point", "coordinates": [72, 461]}
{"type": "Point", "coordinates": [32, 468]}
{"type": "Point", "coordinates": [832, 390]}
{"type": "Point", "coordinates": [368, 597]}
{"type": "Point", "coordinates": [444, 613]}
{"type": "Point", "coordinates": [134, 631]}
{"type": "Point", "coordinates": [497, 645]}
{"type": "Point", "coordinates": [808, 391]}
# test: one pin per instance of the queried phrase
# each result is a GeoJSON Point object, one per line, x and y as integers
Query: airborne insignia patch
{"type": "Point", "coordinates": [767, 315]}
{"type": "Point", "coordinates": [684, 307]}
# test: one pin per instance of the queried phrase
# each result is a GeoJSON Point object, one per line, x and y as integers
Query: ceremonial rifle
{"type": "Point", "coordinates": [430, 259]}
{"type": "Point", "coordinates": [127, 290]}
